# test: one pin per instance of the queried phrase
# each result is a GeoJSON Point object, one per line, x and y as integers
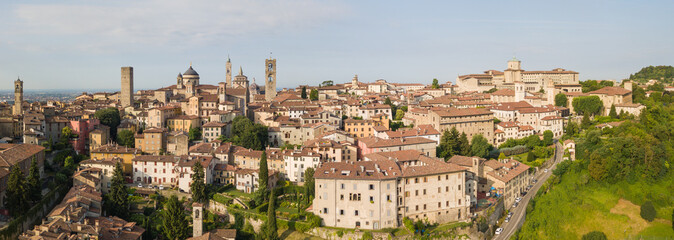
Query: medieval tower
{"type": "Point", "coordinates": [270, 84]}
{"type": "Point", "coordinates": [197, 220]}
{"type": "Point", "coordinates": [126, 98]}
{"type": "Point", "coordinates": [18, 97]}
{"type": "Point", "coordinates": [228, 76]}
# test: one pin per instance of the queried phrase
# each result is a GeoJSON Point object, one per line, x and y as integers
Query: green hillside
{"type": "Point", "coordinates": [662, 73]}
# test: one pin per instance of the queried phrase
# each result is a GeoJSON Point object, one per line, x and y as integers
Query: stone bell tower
{"type": "Point", "coordinates": [197, 219]}
{"type": "Point", "coordinates": [270, 82]}
{"type": "Point", "coordinates": [18, 97]}
{"type": "Point", "coordinates": [228, 76]}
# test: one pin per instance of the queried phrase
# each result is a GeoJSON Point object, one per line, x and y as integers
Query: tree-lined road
{"type": "Point", "coordinates": [519, 212]}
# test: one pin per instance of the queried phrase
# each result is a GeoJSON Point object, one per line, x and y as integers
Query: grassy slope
{"type": "Point", "coordinates": [579, 205]}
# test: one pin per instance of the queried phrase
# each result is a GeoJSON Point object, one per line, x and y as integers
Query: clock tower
{"type": "Point", "coordinates": [270, 79]}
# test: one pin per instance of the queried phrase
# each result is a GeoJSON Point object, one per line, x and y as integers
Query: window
{"type": "Point", "coordinates": [388, 198]}
{"type": "Point", "coordinates": [371, 187]}
{"type": "Point", "coordinates": [355, 213]}
{"type": "Point", "coordinates": [424, 206]}
{"type": "Point", "coordinates": [439, 189]}
{"type": "Point", "coordinates": [371, 199]}
{"type": "Point", "coordinates": [425, 179]}
{"type": "Point", "coordinates": [447, 189]}
{"type": "Point", "coordinates": [416, 207]}
{"type": "Point", "coordinates": [416, 192]}
{"type": "Point", "coordinates": [341, 212]}
{"type": "Point", "coordinates": [341, 197]}
{"type": "Point", "coordinates": [416, 180]}
{"type": "Point", "coordinates": [325, 210]}
{"type": "Point", "coordinates": [459, 201]}
{"type": "Point", "coordinates": [459, 187]}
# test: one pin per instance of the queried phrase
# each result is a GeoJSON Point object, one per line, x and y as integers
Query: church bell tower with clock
{"type": "Point", "coordinates": [270, 79]}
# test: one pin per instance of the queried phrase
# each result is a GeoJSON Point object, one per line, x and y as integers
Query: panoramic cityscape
{"type": "Point", "coordinates": [306, 119]}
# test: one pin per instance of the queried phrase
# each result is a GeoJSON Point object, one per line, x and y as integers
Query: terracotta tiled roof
{"type": "Point", "coordinates": [375, 142]}
{"type": "Point", "coordinates": [504, 92]}
{"type": "Point", "coordinates": [11, 154]}
{"type": "Point", "coordinates": [611, 91]}
{"type": "Point", "coordinates": [456, 112]}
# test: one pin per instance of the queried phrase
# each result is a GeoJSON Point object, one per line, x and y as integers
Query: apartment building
{"type": "Point", "coordinates": [152, 141]}
{"type": "Point", "coordinates": [509, 177]}
{"type": "Point", "coordinates": [107, 167]}
{"type": "Point", "coordinates": [359, 128]}
{"type": "Point", "coordinates": [116, 151]}
{"type": "Point", "coordinates": [297, 161]}
{"type": "Point", "coordinates": [380, 192]}
{"type": "Point", "coordinates": [471, 121]}
{"type": "Point", "coordinates": [375, 144]}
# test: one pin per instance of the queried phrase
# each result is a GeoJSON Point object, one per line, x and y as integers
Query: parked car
{"type": "Point", "coordinates": [517, 200]}
{"type": "Point", "coordinates": [514, 205]}
{"type": "Point", "coordinates": [507, 219]}
{"type": "Point", "coordinates": [140, 185]}
{"type": "Point", "coordinates": [161, 187]}
{"type": "Point", "coordinates": [498, 231]}
{"type": "Point", "coordinates": [545, 170]}
{"type": "Point", "coordinates": [510, 214]}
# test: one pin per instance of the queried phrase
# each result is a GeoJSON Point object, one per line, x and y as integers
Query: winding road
{"type": "Point", "coordinates": [519, 212]}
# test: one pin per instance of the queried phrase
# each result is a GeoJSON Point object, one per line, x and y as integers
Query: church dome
{"type": "Point", "coordinates": [190, 71]}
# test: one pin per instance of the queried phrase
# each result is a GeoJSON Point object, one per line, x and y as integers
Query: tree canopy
{"type": "Point", "coordinates": [17, 195]}
{"type": "Point", "coordinates": [34, 182]}
{"type": "Point", "coordinates": [271, 230]}
{"type": "Point", "coordinates": [435, 84]}
{"type": "Point", "coordinates": [313, 95]}
{"type": "Point", "coordinates": [304, 92]}
{"type": "Point", "coordinates": [247, 134]}
{"type": "Point", "coordinates": [309, 182]}
{"type": "Point", "coordinates": [587, 104]}
{"type": "Point", "coordinates": [561, 100]}
{"type": "Point", "coordinates": [593, 85]}
{"type": "Point", "coordinates": [263, 178]}
{"type": "Point", "coordinates": [479, 146]}
{"type": "Point", "coordinates": [109, 117]}
{"type": "Point", "coordinates": [126, 138]}
{"type": "Point", "coordinates": [195, 133]}
{"type": "Point", "coordinates": [663, 73]}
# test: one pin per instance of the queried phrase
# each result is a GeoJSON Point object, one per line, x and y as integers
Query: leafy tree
{"type": "Point", "coordinates": [69, 164]}
{"type": "Point", "coordinates": [247, 134]}
{"type": "Point", "coordinates": [34, 182]}
{"type": "Point", "coordinates": [174, 222]}
{"type": "Point", "coordinates": [435, 84]}
{"type": "Point", "coordinates": [126, 138]}
{"type": "Point", "coordinates": [313, 95]}
{"type": "Point", "coordinates": [594, 235]}
{"type": "Point", "coordinates": [613, 114]}
{"type": "Point", "coordinates": [117, 200]}
{"type": "Point", "coordinates": [587, 104]}
{"type": "Point", "coordinates": [571, 128]}
{"type": "Point", "coordinates": [198, 187]}
{"type": "Point", "coordinates": [17, 196]}
{"type": "Point", "coordinates": [638, 94]}
{"type": "Point", "coordinates": [404, 108]}
{"type": "Point", "coordinates": [672, 219]}
{"type": "Point", "coordinates": [109, 117]}
{"type": "Point", "coordinates": [271, 228]}
{"type": "Point", "coordinates": [533, 141]}
{"type": "Point", "coordinates": [547, 137]}
{"type": "Point", "coordinates": [501, 156]}
{"type": "Point", "coordinates": [263, 177]}
{"type": "Point", "coordinates": [327, 83]}
{"type": "Point", "coordinates": [463, 147]}
{"type": "Point", "coordinates": [596, 167]}
{"type": "Point", "coordinates": [195, 133]}
{"type": "Point", "coordinates": [66, 134]}
{"type": "Point", "coordinates": [479, 146]}
{"type": "Point", "coordinates": [309, 182]}
{"type": "Point", "coordinates": [491, 90]}
{"type": "Point", "coordinates": [561, 100]}
{"type": "Point", "coordinates": [399, 114]}
{"type": "Point", "coordinates": [586, 123]}
{"type": "Point", "coordinates": [449, 144]}
{"type": "Point", "coordinates": [304, 92]}
{"type": "Point", "coordinates": [648, 211]}
{"type": "Point", "coordinates": [387, 101]}
{"type": "Point", "coordinates": [665, 73]}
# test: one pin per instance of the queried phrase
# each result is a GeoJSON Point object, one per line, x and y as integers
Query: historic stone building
{"type": "Point", "coordinates": [270, 83]}
{"type": "Point", "coordinates": [18, 97]}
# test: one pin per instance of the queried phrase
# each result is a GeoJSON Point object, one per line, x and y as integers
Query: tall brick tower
{"type": "Point", "coordinates": [18, 97]}
{"type": "Point", "coordinates": [228, 76]}
{"type": "Point", "coordinates": [126, 98]}
{"type": "Point", "coordinates": [270, 83]}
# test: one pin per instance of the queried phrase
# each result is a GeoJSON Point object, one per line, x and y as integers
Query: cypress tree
{"type": "Point", "coordinates": [198, 186]}
{"type": "Point", "coordinates": [174, 223]}
{"type": "Point", "coordinates": [17, 195]}
{"type": "Point", "coordinates": [272, 229]}
{"type": "Point", "coordinates": [34, 182]}
{"type": "Point", "coordinates": [263, 180]}
{"type": "Point", "coordinates": [613, 114]}
{"type": "Point", "coordinates": [463, 145]}
{"type": "Point", "coordinates": [117, 196]}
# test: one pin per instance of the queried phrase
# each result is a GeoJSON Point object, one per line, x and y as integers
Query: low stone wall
{"type": "Point", "coordinates": [332, 234]}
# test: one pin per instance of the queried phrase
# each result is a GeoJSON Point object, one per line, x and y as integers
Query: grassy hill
{"type": "Point", "coordinates": [577, 205]}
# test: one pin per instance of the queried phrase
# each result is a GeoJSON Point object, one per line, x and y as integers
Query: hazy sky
{"type": "Point", "coordinates": [83, 44]}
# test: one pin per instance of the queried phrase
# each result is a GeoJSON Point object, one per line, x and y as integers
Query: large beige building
{"type": "Point", "coordinates": [533, 80]}
{"type": "Point", "coordinates": [388, 187]}
{"type": "Point", "coordinates": [472, 121]}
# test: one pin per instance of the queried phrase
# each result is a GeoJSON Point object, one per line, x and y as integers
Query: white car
{"type": "Point", "coordinates": [507, 219]}
{"type": "Point", "coordinates": [545, 170]}
{"type": "Point", "coordinates": [161, 187]}
{"type": "Point", "coordinates": [140, 185]}
{"type": "Point", "coordinates": [517, 200]}
{"type": "Point", "coordinates": [498, 231]}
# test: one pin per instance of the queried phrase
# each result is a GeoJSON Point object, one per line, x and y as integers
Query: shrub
{"type": "Point", "coordinates": [340, 233]}
{"type": "Point", "coordinates": [594, 235]}
{"type": "Point", "coordinates": [648, 211]}
{"type": "Point", "coordinates": [409, 224]}
{"type": "Point", "coordinates": [367, 236]}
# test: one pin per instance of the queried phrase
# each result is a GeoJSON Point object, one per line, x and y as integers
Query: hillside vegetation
{"type": "Point", "coordinates": [616, 172]}
{"type": "Point", "coordinates": [663, 73]}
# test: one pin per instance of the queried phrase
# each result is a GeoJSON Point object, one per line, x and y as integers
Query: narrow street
{"type": "Point", "coordinates": [519, 212]}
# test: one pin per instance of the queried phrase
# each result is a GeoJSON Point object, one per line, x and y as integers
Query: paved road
{"type": "Point", "coordinates": [519, 212]}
